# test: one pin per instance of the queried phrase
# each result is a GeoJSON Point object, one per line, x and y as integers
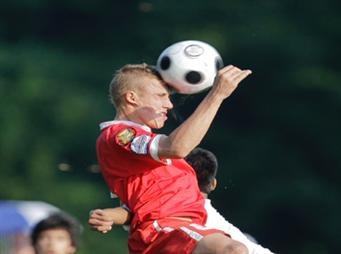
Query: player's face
{"type": "Point", "coordinates": [54, 241]}
{"type": "Point", "coordinates": [154, 102]}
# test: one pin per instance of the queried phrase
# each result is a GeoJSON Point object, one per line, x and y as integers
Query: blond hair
{"type": "Point", "coordinates": [125, 79]}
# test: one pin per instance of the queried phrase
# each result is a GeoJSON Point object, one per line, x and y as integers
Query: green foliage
{"type": "Point", "coordinates": [277, 138]}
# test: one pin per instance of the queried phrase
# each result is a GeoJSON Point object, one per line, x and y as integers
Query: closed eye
{"type": "Point", "coordinates": [163, 94]}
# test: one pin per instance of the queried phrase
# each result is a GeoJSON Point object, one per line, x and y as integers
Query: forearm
{"type": "Point", "coordinates": [119, 215]}
{"type": "Point", "coordinates": [191, 132]}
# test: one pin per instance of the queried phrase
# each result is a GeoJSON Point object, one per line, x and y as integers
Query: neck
{"type": "Point", "coordinates": [126, 116]}
{"type": "Point", "coordinates": [120, 117]}
{"type": "Point", "coordinates": [205, 195]}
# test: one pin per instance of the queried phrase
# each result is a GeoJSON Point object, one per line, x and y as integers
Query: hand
{"type": "Point", "coordinates": [99, 221]}
{"type": "Point", "coordinates": [228, 79]}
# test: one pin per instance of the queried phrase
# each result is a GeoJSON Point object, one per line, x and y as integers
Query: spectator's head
{"type": "Point", "coordinates": [57, 234]}
{"type": "Point", "coordinates": [205, 165]}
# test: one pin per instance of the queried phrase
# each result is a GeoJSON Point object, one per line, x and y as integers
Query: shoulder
{"type": "Point", "coordinates": [126, 127]}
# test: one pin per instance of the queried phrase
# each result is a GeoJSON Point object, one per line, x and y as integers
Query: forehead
{"type": "Point", "coordinates": [60, 232]}
{"type": "Point", "coordinates": [153, 84]}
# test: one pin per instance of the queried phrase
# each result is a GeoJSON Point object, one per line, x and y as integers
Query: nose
{"type": "Point", "coordinates": [168, 104]}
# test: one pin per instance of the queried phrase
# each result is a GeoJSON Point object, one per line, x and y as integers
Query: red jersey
{"type": "Point", "coordinates": [152, 189]}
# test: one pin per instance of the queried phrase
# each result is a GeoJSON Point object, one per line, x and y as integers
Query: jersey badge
{"type": "Point", "coordinates": [125, 136]}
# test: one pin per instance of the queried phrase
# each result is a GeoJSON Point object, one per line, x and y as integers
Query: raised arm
{"type": "Point", "coordinates": [190, 133]}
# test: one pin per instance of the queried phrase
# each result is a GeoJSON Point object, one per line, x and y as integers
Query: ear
{"type": "Point", "coordinates": [213, 184]}
{"type": "Point", "coordinates": [131, 97]}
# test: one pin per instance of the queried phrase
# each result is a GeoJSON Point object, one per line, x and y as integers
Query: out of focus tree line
{"type": "Point", "coordinates": [277, 138]}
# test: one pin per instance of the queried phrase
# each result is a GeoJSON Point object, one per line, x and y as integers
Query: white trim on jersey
{"type": "Point", "coordinates": [194, 235]}
{"type": "Point", "coordinates": [129, 123]}
{"type": "Point", "coordinates": [154, 149]}
{"type": "Point", "coordinates": [158, 228]}
{"type": "Point", "coordinates": [140, 143]}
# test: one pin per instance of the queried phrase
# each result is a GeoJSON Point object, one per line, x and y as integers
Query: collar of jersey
{"type": "Point", "coordinates": [129, 123]}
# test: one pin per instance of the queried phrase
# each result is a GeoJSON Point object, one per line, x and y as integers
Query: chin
{"type": "Point", "coordinates": [156, 124]}
{"type": "Point", "coordinates": [159, 126]}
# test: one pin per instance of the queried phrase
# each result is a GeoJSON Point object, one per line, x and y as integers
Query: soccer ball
{"type": "Point", "coordinates": [189, 66]}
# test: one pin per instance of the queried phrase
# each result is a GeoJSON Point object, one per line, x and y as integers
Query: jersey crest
{"type": "Point", "coordinates": [125, 136]}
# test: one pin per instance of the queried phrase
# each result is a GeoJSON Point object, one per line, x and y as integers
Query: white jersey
{"type": "Point", "coordinates": [216, 220]}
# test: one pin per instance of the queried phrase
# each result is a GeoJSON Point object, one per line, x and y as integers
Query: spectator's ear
{"type": "Point", "coordinates": [213, 184]}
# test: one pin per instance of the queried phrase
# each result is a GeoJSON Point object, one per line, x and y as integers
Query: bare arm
{"type": "Point", "coordinates": [190, 133]}
{"type": "Point", "coordinates": [102, 220]}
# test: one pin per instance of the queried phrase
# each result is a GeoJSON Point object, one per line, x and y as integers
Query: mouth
{"type": "Point", "coordinates": [164, 115]}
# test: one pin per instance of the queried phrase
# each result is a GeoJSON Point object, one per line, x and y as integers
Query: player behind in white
{"type": "Point", "coordinates": [205, 165]}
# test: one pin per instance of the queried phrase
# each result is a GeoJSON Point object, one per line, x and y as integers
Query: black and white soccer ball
{"type": "Point", "coordinates": [189, 66]}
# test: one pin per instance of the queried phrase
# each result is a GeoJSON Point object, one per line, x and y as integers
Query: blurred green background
{"type": "Point", "coordinates": [277, 138]}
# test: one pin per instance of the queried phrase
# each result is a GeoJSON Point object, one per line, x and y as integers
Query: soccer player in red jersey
{"type": "Point", "coordinates": [147, 171]}
{"type": "Point", "coordinates": [205, 165]}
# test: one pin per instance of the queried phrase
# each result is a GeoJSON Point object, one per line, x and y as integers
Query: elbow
{"type": "Point", "coordinates": [179, 155]}
{"type": "Point", "coordinates": [170, 149]}
{"type": "Point", "coordinates": [179, 152]}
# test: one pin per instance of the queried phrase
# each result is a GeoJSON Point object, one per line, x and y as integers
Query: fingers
{"type": "Point", "coordinates": [233, 74]}
{"type": "Point", "coordinates": [225, 69]}
{"type": "Point", "coordinates": [231, 71]}
{"type": "Point", "coordinates": [100, 215]}
{"type": "Point", "coordinates": [242, 75]}
{"type": "Point", "coordinates": [103, 229]}
{"type": "Point", "coordinates": [227, 80]}
{"type": "Point", "coordinates": [99, 226]}
{"type": "Point", "coordinates": [98, 221]}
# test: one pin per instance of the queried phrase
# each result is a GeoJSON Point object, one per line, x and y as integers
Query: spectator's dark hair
{"type": "Point", "coordinates": [58, 221]}
{"type": "Point", "coordinates": [205, 165]}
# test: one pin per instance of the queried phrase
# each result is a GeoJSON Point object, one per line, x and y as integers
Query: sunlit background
{"type": "Point", "coordinates": [277, 138]}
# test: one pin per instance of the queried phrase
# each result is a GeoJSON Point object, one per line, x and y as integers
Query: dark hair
{"type": "Point", "coordinates": [58, 221]}
{"type": "Point", "coordinates": [205, 165]}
